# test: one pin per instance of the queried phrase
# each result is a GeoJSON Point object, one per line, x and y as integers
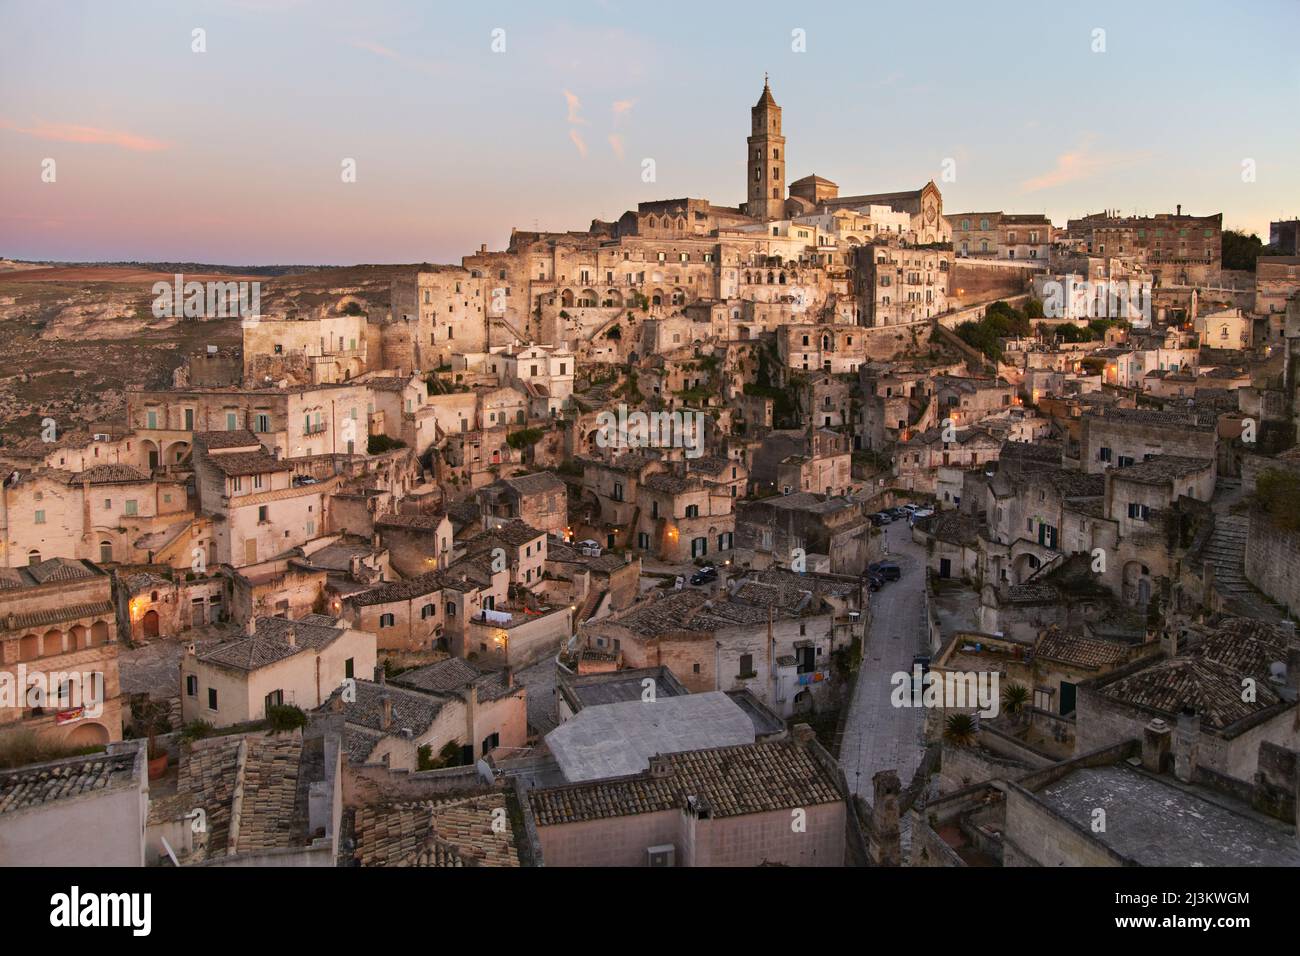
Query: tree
{"type": "Point", "coordinates": [1015, 698]}
{"type": "Point", "coordinates": [1240, 250]}
{"type": "Point", "coordinates": [959, 729]}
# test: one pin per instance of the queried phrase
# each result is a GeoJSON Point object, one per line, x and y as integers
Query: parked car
{"type": "Point", "coordinates": [909, 508]}
{"type": "Point", "coordinates": [888, 570]}
{"type": "Point", "coordinates": [704, 575]}
{"type": "Point", "coordinates": [874, 581]}
{"type": "Point", "coordinates": [919, 514]}
{"type": "Point", "coordinates": [880, 518]}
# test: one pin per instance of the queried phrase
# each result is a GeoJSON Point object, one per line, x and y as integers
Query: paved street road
{"type": "Point", "coordinates": [878, 736]}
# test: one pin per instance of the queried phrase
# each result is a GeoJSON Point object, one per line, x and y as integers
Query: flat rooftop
{"type": "Point", "coordinates": [1157, 823]}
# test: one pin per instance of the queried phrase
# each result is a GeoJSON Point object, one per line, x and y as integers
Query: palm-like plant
{"type": "Point", "coordinates": [1015, 698]}
{"type": "Point", "coordinates": [959, 729]}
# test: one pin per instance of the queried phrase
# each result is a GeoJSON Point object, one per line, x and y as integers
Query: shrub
{"type": "Point", "coordinates": [196, 730]}
{"type": "Point", "coordinates": [285, 718]}
{"type": "Point", "coordinates": [378, 444]}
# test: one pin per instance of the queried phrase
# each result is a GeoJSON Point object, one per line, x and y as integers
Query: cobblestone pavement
{"type": "Point", "coordinates": [877, 735]}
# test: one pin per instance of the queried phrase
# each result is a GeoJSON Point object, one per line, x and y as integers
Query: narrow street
{"type": "Point", "coordinates": [877, 735]}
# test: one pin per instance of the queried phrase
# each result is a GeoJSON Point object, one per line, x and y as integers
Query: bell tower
{"type": "Point", "coordinates": [765, 190]}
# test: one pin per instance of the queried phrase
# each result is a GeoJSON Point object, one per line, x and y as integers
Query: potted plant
{"type": "Point", "coordinates": [959, 729]}
{"type": "Point", "coordinates": [155, 717]}
{"type": "Point", "coordinates": [1015, 701]}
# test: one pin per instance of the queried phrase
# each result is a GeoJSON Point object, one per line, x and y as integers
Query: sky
{"type": "Point", "coordinates": [463, 120]}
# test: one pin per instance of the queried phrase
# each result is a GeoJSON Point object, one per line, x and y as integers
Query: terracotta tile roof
{"type": "Point", "coordinates": [58, 780]}
{"type": "Point", "coordinates": [731, 781]}
{"type": "Point", "coordinates": [269, 767]}
{"type": "Point", "coordinates": [453, 832]}
{"type": "Point", "coordinates": [1208, 678]}
{"type": "Point", "coordinates": [270, 642]}
{"type": "Point", "coordinates": [108, 475]}
{"type": "Point", "coordinates": [239, 438]}
{"type": "Point", "coordinates": [235, 463]}
{"type": "Point", "coordinates": [57, 615]}
{"type": "Point", "coordinates": [1072, 648]}
{"type": "Point", "coordinates": [422, 584]}
{"type": "Point", "coordinates": [59, 569]}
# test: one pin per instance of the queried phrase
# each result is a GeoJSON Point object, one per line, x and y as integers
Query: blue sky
{"type": "Point", "coordinates": [234, 155]}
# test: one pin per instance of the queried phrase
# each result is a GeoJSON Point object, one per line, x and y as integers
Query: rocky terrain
{"type": "Point", "coordinates": [74, 336]}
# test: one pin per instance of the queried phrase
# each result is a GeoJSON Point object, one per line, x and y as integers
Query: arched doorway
{"type": "Point", "coordinates": [88, 735]}
{"type": "Point", "coordinates": [149, 623]}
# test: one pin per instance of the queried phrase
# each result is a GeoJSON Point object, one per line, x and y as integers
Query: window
{"type": "Point", "coordinates": [746, 666]}
{"type": "Point", "coordinates": [427, 612]}
{"type": "Point", "coordinates": [40, 516]}
{"type": "Point", "coordinates": [1138, 512]}
{"type": "Point", "coordinates": [263, 514]}
{"type": "Point", "coordinates": [1103, 454]}
{"type": "Point", "coordinates": [348, 668]}
{"type": "Point", "coordinates": [212, 698]}
{"type": "Point", "coordinates": [491, 742]}
{"type": "Point", "coordinates": [261, 422]}
{"type": "Point", "coordinates": [232, 421]}
{"type": "Point", "coordinates": [692, 511]}
{"type": "Point", "coordinates": [386, 620]}
{"type": "Point", "coordinates": [191, 685]}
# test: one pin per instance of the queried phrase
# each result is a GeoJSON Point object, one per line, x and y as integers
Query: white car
{"type": "Point", "coordinates": [919, 514]}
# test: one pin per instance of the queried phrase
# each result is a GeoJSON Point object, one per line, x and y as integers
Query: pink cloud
{"type": "Point", "coordinates": [70, 133]}
{"type": "Point", "coordinates": [1080, 163]}
{"type": "Point", "coordinates": [415, 63]}
{"type": "Point", "coordinates": [575, 105]}
{"type": "Point", "coordinates": [616, 144]}
{"type": "Point", "coordinates": [578, 142]}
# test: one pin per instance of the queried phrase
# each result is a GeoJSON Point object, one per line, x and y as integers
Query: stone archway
{"type": "Point", "coordinates": [88, 735]}
{"type": "Point", "coordinates": [149, 623]}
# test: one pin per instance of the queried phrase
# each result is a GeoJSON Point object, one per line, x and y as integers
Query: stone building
{"type": "Point", "coordinates": [59, 635]}
{"type": "Point", "coordinates": [727, 806]}
{"type": "Point", "coordinates": [272, 662]}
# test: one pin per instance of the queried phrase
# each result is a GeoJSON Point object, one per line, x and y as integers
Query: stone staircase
{"type": "Point", "coordinates": [1226, 551]}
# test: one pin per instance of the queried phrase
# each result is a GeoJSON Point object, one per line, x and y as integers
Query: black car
{"type": "Point", "coordinates": [886, 569]}
{"type": "Point", "coordinates": [874, 581]}
{"type": "Point", "coordinates": [704, 575]}
{"type": "Point", "coordinates": [880, 518]}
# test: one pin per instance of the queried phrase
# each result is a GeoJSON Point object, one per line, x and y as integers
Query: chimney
{"type": "Point", "coordinates": [1179, 209]}
{"type": "Point", "coordinates": [660, 767]}
{"type": "Point", "coordinates": [1292, 656]}
{"type": "Point", "coordinates": [885, 841]}
{"type": "Point", "coordinates": [375, 541]}
{"type": "Point", "coordinates": [803, 734]}
{"type": "Point", "coordinates": [336, 703]}
{"type": "Point", "coordinates": [510, 676]}
{"type": "Point", "coordinates": [386, 721]}
{"type": "Point", "coordinates": [1186, 738]}
{"type": "Point", "coordinates": [291, 637]}
{"type": "Point", "coordinates": [250, 626]}
{"type": "Point", "coordinates": [1169, 640]}
{"type": "Point", "coordinates": [1155, 745]}
{"type": "Point", "coordinates": [380, 676]}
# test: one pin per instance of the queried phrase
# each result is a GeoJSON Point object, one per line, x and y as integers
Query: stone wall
{"type": "Point", "coordinates": [1273, 560]}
